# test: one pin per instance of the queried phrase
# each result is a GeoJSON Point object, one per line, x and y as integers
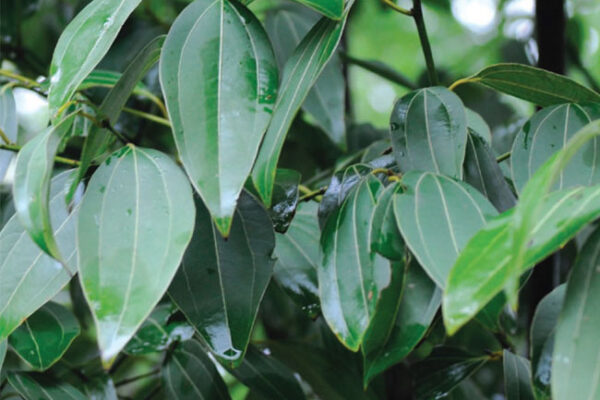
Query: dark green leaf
{"type": "Point", "coordinates": [533, 84]}
{"type": "Point", "coordinates": [437, 216]}
{"type": "Point", "coordinates": [136, 219]}
{"type": "Point", "coordinates": [386, 238]}
{"type": "Point", "coordinates": [8, 124]}
{"type": "Point", "coordinates": [45, 336]}
{"type": "Point", "coordinates": [29, 277]}
{"type": "Point", "coordinates": [429, 132]}
{"type": "Point", "coordinates": [101, 387]}
{"type": "Point", "coordinates": [285, 198]}
{"type": "Point", "coordinates": [549, 131]}
{"type": "Point", "coordinates": [108, 79]}
{"type": "Point", "coordinates": [517, 381]}
{"type": "Point", "coordinates": [219, 77]}
{"type": "Point", "coordinates": [477, 124]}
{"type": "Point", "coordinates": [221, 282]}
{"type": "Point", "coordinates": [329, 8]}
{"type": "Point", "coordinates": [575, 366]}
{"type": "Point", "coordinates": [38, 387]}
{"type": "Point", "coordinates": [82, 45]}
{"type": "Point", "coordinates": [543, 327]}
{"type": "Point", "coordinates": [3, 347]}
{"type": "Point", "coordinates": [190, 374]}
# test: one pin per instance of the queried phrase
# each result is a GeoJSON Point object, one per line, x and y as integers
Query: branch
{"type": "Point", "coordinates": [58, 159]}
{"type": "Point", "coordinates": [380, 69]}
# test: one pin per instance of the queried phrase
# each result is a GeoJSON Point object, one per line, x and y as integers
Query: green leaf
{"type": "Point", "coordinates": [543, 327]}
{"type": "Point", "coordinates": [45, 336]}
{"type": "Point", "coordinates": [30, 277]}
{"type": "Point", "coordinates": [157, 333]}
{"type": "Point", "coordinates": [136, 219]}
{"type": "Point", "coordinates": [221, 282]}
{"type": "Point", "coordinates": [267, 377]}
{"type": "Point", "coordinates": [99, 138]}
{"type": "Point", "coordinates": [351, 276]}
{"type": "Point", "coordinates": [437, 216]}
{"type": "Point", "coordinates": [575, 366]}
{"type": "Point", "coordinates": [285, 198]}
{"type": "Point", "coordinates": [548, 131]}
{"type": "Point", "coordinates": [299, 75]}
{"type": "Point", "coordinates": [386, 238]}
{"type": "Point", "coordinates": [108, 79]}
{"type": "Point", "coordinates": [477, 124]}
{"type": "Point", "coordinates": [482, 269]}
{"type": "Point", "coordinates": [3, 348]}
{"type": "Point", "coordinates": [429, 132]}
{"type": "Point", "coordinates": [517, 381]}
{"type": "Point", "coordinates": [8, 124]}
{"type": "Point", "coordinates": [533, 84]}
{"type": "Point", "coordinates": [219, 77]}
{"type": "Point", "coordinates": [297, 253]}
{"type": "Point", "coordinates": [444, 369]}
{"type": "Point", "coordinates": [418, 305]}
{"type": "Point", "coordinates": [330, 8]}
{"type": "Point", "coordinates": [37, 386]}
{"type": "Point", "coordinates": [82, 45]}
{"type": "Point", "coordinates": [325, 101]}
{"type": "Point", "coordinates": [189, 374]}
{"type": "Point", "coordinates": [483, 172]}
{"type": "Point", "coordinates": [31, 189]}
{"type": "Point", "coordinates": [101, 387]}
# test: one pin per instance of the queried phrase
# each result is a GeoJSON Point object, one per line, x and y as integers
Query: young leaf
{"type": "Point", "coordinates": [36, 386]}
{"type": "Point", "coordinates": [299, 75]}
{"type": "Point", "coordinates": [82, 45]}
{"type": "Point", "coordinates": [533, 84]}
{"type": "Point", "coordinates": [285, 198]}
{"type": "Point", "coordinates": [221, 282]}
{"type": "Point", "coordinates": [429, 132]}
{"type": "Point", "coordinates": [8, 124]}
{"type": "Point", "coordinates": [136, 219]}
{"type": "Point", "coordinates": [517, 381]}
{"type": "Point", "coordinates": [219, 77]}
{"type": "Point", "coordinates": [30, 277]}
{"type": "Point", "coordinates": [45, 336]}
{"type": "Point", "coordinates": [548, 131]}
{"type": "Point", "coordinates": [351, 276]}
{"type": "Point", "coordinates": [31, 189]}
{"type": "Point", "coordinates": [330, 8]}
{"type": "Point", "coordinates": [437, 216]}
{"type": "Point", "coordinates": [189, 374]}
{"type": "Point", "coordinates": [575, 366]}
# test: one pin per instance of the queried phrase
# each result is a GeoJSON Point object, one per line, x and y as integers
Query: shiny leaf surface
{"type": "Point", "coordinates": [36, 386]}
{"type": "Point", "coordinates": [218, 119]}
{"type": "Point", "coordinates": [517, 381]}
{"type": "Point", "coordinates": [221, 282]}
{"type": "Point", "coordinates": [386, 238]}
{"type": "Point", "coordinates": [130, 242]}
{"type": "Point", "coordinates": [8, 124]}
{"type": "Point", "coordinates": [108, 79]}
{"type": "Point", "coordinates": [285, 198]}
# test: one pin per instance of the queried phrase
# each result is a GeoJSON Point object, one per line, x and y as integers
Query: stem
{"type": "Point", "coordinates": [28, 82]}
{"type": "Point", "coordinates": [313, 194]}
{"type": "Point", "coordinates": [148, 116]}
{"type": "Point", "coordinates": [137, 378]}
{"type": "Point", "coordinates": [462, 81]}
{"type": "Point", "coordinates": [58, 159]}
{"type": "Point", "coordinates": [397, 8]}
{"type": "Point", "coordinates": [380, 69]}
{"type": "Point", "coordinates": [503, 157]}
{"type": "Point", "coordinates": [417, 14]}
{"type": "Point", "coordinates": [5, 138]}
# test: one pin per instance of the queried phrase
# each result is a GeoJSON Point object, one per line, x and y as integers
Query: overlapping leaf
{"type": "Point", "coordinates": [386, 238]}
{"type": "Point", "coordinates": [285, 198]}
{"type": "Point", "coordinates": [329, 8]}
{"type": "Point", "coordinates": [3, 348]}
{"type": "Point", "coordinates": [517, 381]}
{"type": "Point", "coordinates": [8, 124]}
{"type": "Point", "coordinates": [36, 386]}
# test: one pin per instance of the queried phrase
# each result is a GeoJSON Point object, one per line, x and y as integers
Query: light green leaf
{"type": "Point", "coordinates": [477, 124]}
{"type": "Point", "coordinates": [575, 366]}
{"type": "Point", "coordinates": [108, 79]}
{"type": "Point", "coordinates": [189, 374]}
{"type": "Point", "coordinates": [219, 77]}
{"type": "Point", "coordinates": [429, 132]}
{"type": "Point", "coordinates": [299, 75]}
{"type": "Point", "coordinates": [8, 124]}
{"type": "Point", "coordinates": [330, 8]}
{"type": "Point", "coordinates": [45, 336]}
{"type": "Point", "coordinates": [30, 277]}
{"type": "Point", "coordinates": [82, 45]}
{"type": "Point", "coordinates": [549, 131]}
{"type": "Point", "coordinates": [517, 381]}
{"type": "Point", "coordinates": [31, 189]}
{"type": "Point", "coordinates": [437, 216]}
{"type": "Point", "coordinates": [136, 219]}
{"type": "Point", "coordinates": [101, 387]}
{"type": "Point", "coordinates": [3, 347]}
{"type": "Point", "coordinates": [37, 386]}
{"type": "Point", "coordinates": [533, 84]}
{"type": "Point", "coordinates": [221, 282]}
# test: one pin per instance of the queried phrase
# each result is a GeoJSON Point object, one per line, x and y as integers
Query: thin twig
{"type": "Point", "coordinates": [397, 8]}
{"type": "Point", "coordinates": [503, 157]}
{"type": "Point", "coordinates": [137, 378]}
{"type": "Point", "coordinates": [58, 159]}
{"type": "Point", "coordinates": [148, 116]}
{"type": "Point", "coordinates": [380, 69]}
{"type": "Point", "coordinates": [417, 13]}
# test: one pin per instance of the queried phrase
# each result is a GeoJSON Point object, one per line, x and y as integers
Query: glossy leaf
{"type": "Point", "coordinates": [548, 131]}
{"type": "Point", "coordinates": [386, 238]}
{"type": "Point", "coordinates": [82, 45]}
{"type": "Point", "coordinates": [136, 220]}
{"type": "Point", "coordinates": [285, 198]}
{"type": "Point", "coordinates": [329, 8]}
{"type": "Point", "coordinates": [8, 124]}
{"type": "Point", "coordinates": [30, 277]}
{"type": "Point", "coordinates": [190, 374]}
{"type": "Point", "coordinates": [45, 336]}
{"type": "Point", "coordinates": [267, 377]}
{"type": "Point", "coordinates": [437, 216]}
{"type": "Point", "coordinates": [543, 327]}
{"type": "Point", "coordinates": [219, 119]}
{"type": "Point", "coordinates": [418, 305]}
{"type": "Point", "coordinates": [533, 84]}
{"type": "Point", "coordinates": [31, 189]}
{"type": "Point", "coordinates": [36, 386]}
{"type": "Point", "coordinates": [297, 253]}
{"type": "Point", "coordinates": [351, 276]}
{"type": "Point", "coordinates": [429, 132]}
{"type": "Point", "coordinates": [517, 382]}
{"type": "Point", "coordinates": [575, 366]}
{"type": "Point", "coordinates": [477, 124]}
{"type": "Point", "coordinates": [221, 282]}
{"type": "Point", "coordinates": [300, 73]}
{"type": "Point", "coordinates": [483, 172]}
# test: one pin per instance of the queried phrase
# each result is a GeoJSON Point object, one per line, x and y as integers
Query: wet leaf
{"type": "Point", "coordinates": [285, 198]}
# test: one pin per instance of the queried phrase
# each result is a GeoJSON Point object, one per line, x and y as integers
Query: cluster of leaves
{"type": "Point", "coordinates": [417, 242]}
